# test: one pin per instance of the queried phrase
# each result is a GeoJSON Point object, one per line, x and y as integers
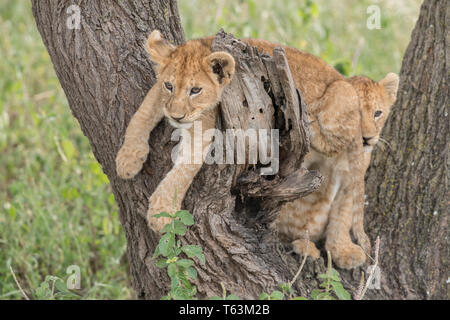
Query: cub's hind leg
{"type": "Point", "coordinates": [297, 223]}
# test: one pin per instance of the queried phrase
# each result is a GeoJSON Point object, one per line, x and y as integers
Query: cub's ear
{"type": "Point", "coordinates": [220, 66]}
{"type": "Point", "coordinates": [390, 84]}
{"type": "Point", "coordinates": [159, 48]}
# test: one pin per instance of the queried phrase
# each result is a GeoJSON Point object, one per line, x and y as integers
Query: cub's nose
{"type": "Point", "coordinates": [178, 118]}
{"type": "Point", "coordinates": [366, 140]}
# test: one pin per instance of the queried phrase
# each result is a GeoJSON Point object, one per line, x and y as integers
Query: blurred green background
{"type": "Point", "coordinates": [56, 207]}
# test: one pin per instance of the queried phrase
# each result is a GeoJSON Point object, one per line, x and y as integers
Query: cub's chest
{"type": "Point", "coordinates": [333, 169]}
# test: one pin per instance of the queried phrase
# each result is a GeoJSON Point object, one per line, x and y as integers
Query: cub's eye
{"type": "Point", "coordinates": [168, 86]}
{"type": "Point", "coordinates": [195, 90]}
{"type": "Point", "coordinates": [377, 113]}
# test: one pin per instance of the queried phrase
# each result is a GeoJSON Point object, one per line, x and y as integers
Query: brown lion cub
{"type": "Point", "coordinates": [189, 86]}
{"type": "Point", "coordinates": [316, 215]}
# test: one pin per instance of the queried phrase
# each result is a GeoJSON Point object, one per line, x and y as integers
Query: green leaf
{"type": "Point", "coordinates": [194, 251]}
{"type": "Point", "coordinates": [332, 277]}
{"type": "Point", "coordinates": [277, 295]}
{"type": "Point", "coordinates": [157, 253]}
{"type": "Point", "coordinates": [167, 228]}
{"type": "Point", "coordinates": [232, 297]}
{"type": "Point", "coordinates": [61, 286]}
{"type": "Point", "coordinates": [186, 218]}
{"type": "Point", "coordinates": [166, 243]}
{"type": "Point", "coordinates": [162, 214]}
{"type": "Point", "coordinates": [172, 270]}
{"type": "Point", "coordinates": [179, 228]}
{"type": "Point", "coordinates": [286, 288]}
{"type": "Point", "coordinates": [299, 298]}
{"type": "Point", "coordinates": [185, 263]}
{"type": "Point", "coordinates": [161, 263]}
{"type": "Point", "coordinates": [263, 296]}
{"type": "Point", "coordinates": [192, 273]}
{"type": "Point", "coordinates": [341, 293]}
{"type": "Point", "coordinates": [314, 294]}
{"type": "Point", "coordinates": [335, 274]}
{"type": "Point", "coordinates": [215, 298]}
{"type": "Point", "coordinates": [324, 296]}
{"type": "Point", "coordinates": [174, 283]}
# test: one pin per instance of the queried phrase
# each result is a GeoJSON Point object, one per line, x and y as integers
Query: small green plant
{"type": "Point", "coordinates": [331, 285]}
{"type": "Point", "coordinates": [330, 289]}
{"type": "Point", "coordinates": [169, 249]}
{"type": "Point", "coordinates": [181, 271]}
{"type": "Point", "coordinates": [53, 288]}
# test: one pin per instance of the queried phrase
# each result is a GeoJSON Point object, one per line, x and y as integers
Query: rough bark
{"type": "Point", "coordinates": [105, 73]}
{"type": "Point", "coordinates": [407, 183]}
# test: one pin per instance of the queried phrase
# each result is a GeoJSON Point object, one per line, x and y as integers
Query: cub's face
{"type": "Point", "coordinates": [376, 99]}
{"type": "Point", "coordinates": [190, 77]}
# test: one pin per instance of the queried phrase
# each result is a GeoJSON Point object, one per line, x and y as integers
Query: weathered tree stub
{"type": "Point", "coordinates": [262, 95]}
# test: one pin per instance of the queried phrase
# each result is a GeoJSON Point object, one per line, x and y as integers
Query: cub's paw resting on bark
{"type": "Point", "coordinates": [130, 159]}
{"type": "Point", "coordinates": [347, 256]}
{"type": "Point", "coordinates": [159, 203]}
{"type": "Point", "coordinates": [300, 248]}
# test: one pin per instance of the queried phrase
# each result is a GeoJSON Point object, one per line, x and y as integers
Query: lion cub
{"type": "Point", "coordinates": [329, 212]}
{"type": "Point", "coordinates": [189, 86]}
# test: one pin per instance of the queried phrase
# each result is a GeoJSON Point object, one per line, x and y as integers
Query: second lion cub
{"type": "Point", "coordinates": [329, 212]}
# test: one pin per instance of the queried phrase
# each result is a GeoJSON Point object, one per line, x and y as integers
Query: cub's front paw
{"type": "Point", "coordinates": [156, 206]}
{"type": "Point", "coordinates": [130, 159]}
{"type": "Point", "coordinates": [300, 248]}
{"type": "Point", "coordinates": [348, 256]}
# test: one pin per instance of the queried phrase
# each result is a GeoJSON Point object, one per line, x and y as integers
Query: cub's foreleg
{"type": "Point", "coordinates": [335, 118]}
{"type": "Point", "coordinates": [359, 160]}
{"type": "Point", "coordinates": [134, 150]}
{"type": "Point", "coordinates": [179, 178]}
{"type": "Point", "coordinates": [344, 252]}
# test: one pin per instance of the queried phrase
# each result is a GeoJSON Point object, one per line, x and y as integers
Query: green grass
{"type": "Point", "coordinates": [56, 206]}
{"type": "Point", "coordinates": [334, 30]}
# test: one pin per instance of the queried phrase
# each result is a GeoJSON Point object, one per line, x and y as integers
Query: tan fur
{"type": "Point", "coordinates": [330, 212]}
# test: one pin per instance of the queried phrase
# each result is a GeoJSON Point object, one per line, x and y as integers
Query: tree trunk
{"type": "Point", "coordinates": [407, 183]}
{"type": "Point", "coordinates": [105, 73]}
